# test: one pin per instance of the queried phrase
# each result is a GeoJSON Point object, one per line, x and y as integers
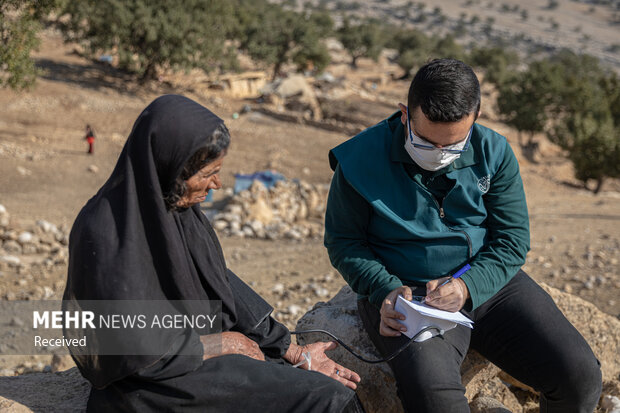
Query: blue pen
{"type": "Point", "coordinates": [456, 275]}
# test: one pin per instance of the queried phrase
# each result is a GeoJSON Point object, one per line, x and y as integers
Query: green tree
{"type": "Point", "coordinates": [19, 27]}
{"type": "Point", "coordinates": [497, 62]}
{"type": "Point", "coordinates": [446, 47]}
{"type": "Point", "coordinates": [276, 36]}
{"type": "Point", "coordinates": [361, 40]}
{"type": "Point", "coordinates": [593, 148]}
{"type": "Point", "coordinates": [526, 100]}
{"type": "Point", "coordinates": [586, 119]}
{"type": "Point", "coordinates": [415, 48]}
{"type": "Point", "coordinates": [576, 102]}
{"type": "Point", "coordinates": [147, 35]}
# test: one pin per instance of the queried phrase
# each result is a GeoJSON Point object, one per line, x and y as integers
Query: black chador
{"type": "Point", "coordinates": [126, 245]}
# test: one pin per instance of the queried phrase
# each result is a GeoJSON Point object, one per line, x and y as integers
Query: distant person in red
{"type": "Point", "coordinates": [90, 138]}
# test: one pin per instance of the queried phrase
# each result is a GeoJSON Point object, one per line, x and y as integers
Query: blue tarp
{"type": "Point", "coordinates": [268, 178]}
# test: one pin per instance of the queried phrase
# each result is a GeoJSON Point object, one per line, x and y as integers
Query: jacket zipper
{"type": "Point", "coordinates": [442, 215]}
{"type": "Point", "coordinates": [468, 243]}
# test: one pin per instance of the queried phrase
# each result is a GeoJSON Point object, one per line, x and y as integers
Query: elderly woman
{"type": "Point", "coordinates": [143, 237]}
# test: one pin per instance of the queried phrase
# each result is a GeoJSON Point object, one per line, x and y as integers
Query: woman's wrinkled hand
{"type": "Point", "coordinates": [321, 363]}
{"type": "Point", "coordinates": [230, 342]}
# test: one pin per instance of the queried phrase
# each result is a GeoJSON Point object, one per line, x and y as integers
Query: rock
{"type": "Point", "coordinates": [377, 389]}
{"type": "Point", "coordinates": [486, 404]}
{"type": "Point", "coordinates": [61, 363]}
{"type": "Point", "coordinates": [296, 93]}
{"type": "Point", "coordinates": [29, 249]}
{"type": "Point", "coordinates": [495, 389]}
{"type": "Point", "coordinates": [93, 168]}
{"type": "Point", "coordinates": [601, 331]}
{"type": "Point", "coordinates": [283, 211]}
{"type": "Point", "coordinates": [4, 216]}
{"type": "Point", "coordinates": [23, 171]}
{"type": "Point", "coordinates": [60, 392]}
{"type": "Point", "coordinates": [11, 260]}
{"type": "Point", "coordinates": [25, 238]}
{"type": "Point", "coordinates": [293, 310]}
{"type": "Point", "coordinates": [46, 227]}
{"type": "Point", "coordinates": [12, 247]}
{"type": "Point", "coordinates": [611, 403]}
{"type": "Point", "coordinates": [278, 289]}
{"type": "Point", "coordinates": [481, 378]}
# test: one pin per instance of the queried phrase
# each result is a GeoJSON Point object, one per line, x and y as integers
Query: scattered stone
{"type": "Point", "coordinates": [93, 168]}
{"type": "Point", "coordinates": [12, 247]}
{"type": "Point", "coordinates": [23, 171]}
{"type": "Point", "coordinates": [293, 310]}
{"type": "Point", "coordinates": [611, 403]}
{"type": "Point", "coordinates": [4, 216]}
{"type": "Point", "coordinates": [278, 289]}
{"type": "Point", "coordinates": [61, 363]}
{"type": "Point", "coordinates": [47, 227]}
{"type": "Point", "coordinates": [11, 260]}
{"type": "Point", "coordinates": [486, 404]}
{"type": "Point", "coordinates": [39, 246]}
{"type": "Point", "coordinates": [290, 209]}
{"type": "Point", "coordinates": [25, 238]}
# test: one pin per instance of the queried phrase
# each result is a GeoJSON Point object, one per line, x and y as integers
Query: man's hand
{"type": "Point", "coordinates": [389, 325]}
{"type": "Point", "coordinates": [321, 363]}
{"type": "Point", "coordinates": [450, 297]}
{"type": "Point", "coordinates": [230, 342]}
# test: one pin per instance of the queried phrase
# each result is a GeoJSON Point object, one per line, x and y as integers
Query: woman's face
{"type": "Point", "coordinates": [199, 184]}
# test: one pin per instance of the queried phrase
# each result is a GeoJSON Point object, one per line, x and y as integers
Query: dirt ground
{"type": "Point", "coordinates": [44, 174]}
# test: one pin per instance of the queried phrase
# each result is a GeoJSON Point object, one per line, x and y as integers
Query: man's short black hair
{"type": "Point", "coordinates": [446, 90]}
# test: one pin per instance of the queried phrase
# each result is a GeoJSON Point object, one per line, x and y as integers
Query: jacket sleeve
{"type": "Point", "coordinates": [254, 319]}
{"type": "Point", "coordinates": [507, 219]}
{"type": "Point", "coordinates": [346, 222]}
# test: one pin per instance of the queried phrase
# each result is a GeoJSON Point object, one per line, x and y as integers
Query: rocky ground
{"type": "Point", "coordinates": [46, 176]}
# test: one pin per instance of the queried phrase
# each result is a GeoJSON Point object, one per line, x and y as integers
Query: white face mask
{"type": "Point", "coordinates": [429, 157]}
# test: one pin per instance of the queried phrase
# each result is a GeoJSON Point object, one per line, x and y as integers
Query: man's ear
{"type": "Point", "coordinates": [403, 113]}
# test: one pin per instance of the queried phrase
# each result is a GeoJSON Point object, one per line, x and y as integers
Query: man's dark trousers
{"type": "Point", "coordinates": [520, 329]}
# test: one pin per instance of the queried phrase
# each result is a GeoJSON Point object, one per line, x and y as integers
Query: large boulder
{"type": "Point", "coordinates": [65, 391]}
{"type": "Point", "coordinates": [482, 379]}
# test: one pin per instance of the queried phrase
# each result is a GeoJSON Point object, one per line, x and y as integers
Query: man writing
{"type": "Point", "coordinates": [415, 198]}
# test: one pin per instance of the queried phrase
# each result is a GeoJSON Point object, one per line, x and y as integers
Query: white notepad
{"type": "Point", "coordinates": [419, 315]}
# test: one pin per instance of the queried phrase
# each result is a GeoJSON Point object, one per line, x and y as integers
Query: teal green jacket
{"type": "Point", "coordinates": [388, 222]}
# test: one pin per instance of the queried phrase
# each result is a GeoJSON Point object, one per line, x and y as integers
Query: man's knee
{"type": "Point", "coordinates": [429, 383]}
{"type": "Point", "coordinates": [579, 385]}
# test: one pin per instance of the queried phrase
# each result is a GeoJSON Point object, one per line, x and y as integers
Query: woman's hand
{"type": "Point", "coordinates": [230, 342]}
{"type": "Point", "coordinates": [321, 363]}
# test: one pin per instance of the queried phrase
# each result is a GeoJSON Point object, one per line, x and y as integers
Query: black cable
{"type": "Point", "coordinates": [383, 360]}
